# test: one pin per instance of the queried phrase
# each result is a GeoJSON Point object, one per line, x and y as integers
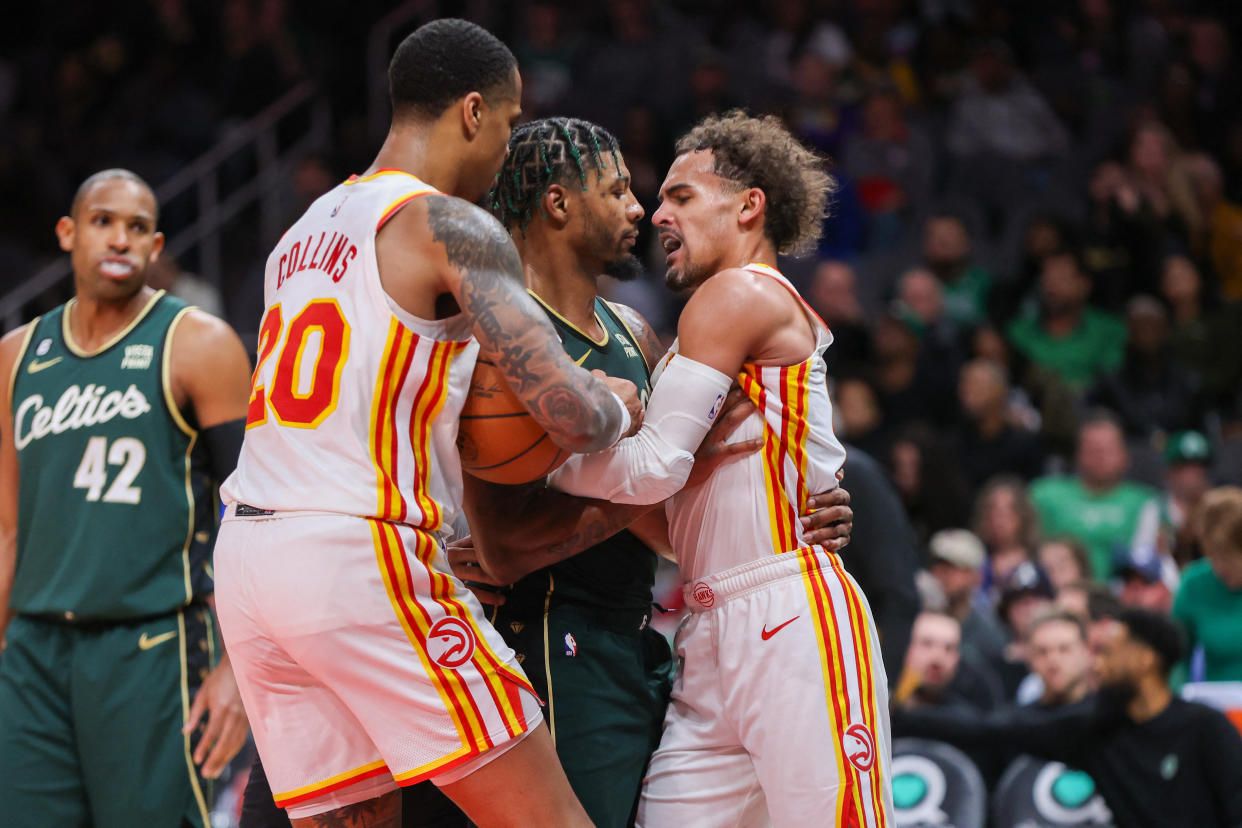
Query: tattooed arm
{"type": "Point", "coordinates": [442, 244]}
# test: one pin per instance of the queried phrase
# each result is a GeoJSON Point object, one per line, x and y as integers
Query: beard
{"type": "Point", "coordinates": [1115, 696]}
{"type": "Point", "coordinates": [626, 269]}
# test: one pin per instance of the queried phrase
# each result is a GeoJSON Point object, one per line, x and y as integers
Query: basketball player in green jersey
{"type": "Point", "coordinates": [579, 613]}
{"type": "Point", "coordinates": [119, 411]}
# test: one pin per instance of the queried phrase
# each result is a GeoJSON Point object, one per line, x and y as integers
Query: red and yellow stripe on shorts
{"type": "Point", "coordinates": [847, 659]}
{"type": "Point", "coordinates": [405, 583]}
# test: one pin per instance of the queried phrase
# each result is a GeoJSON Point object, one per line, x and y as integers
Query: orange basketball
{"type": "Point", "coordinates": [498, 440]}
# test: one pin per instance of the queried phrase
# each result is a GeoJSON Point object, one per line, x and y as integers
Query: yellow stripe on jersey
{"type": "Point", "coordinates": [751, 382]}
{"type": "Point", "coordinates": [389, 503]}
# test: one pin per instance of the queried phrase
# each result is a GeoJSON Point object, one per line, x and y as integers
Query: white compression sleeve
{"type": "Point", "coordinates": [655, 462]}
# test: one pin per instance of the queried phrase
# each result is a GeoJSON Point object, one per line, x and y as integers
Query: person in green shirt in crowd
{"type": "Point", "coordinates": [1065, 335]}
{"type": "Point", "coordinates": [946, 253]}
{"type": "Point", "coordinates": [1097, 507]}
{"type": "Point", "coordinates": [1209, 600]}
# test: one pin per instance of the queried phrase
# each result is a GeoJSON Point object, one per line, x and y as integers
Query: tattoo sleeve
{"type": "Point", "coordinates": [572, 406]}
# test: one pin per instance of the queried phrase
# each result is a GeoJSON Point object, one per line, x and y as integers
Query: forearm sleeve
{"type": "Point", "coordinates": [654, 463]}
{"type": "Point", "coordinates": [223, 443]}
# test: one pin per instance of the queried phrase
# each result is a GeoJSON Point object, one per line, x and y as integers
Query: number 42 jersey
{"type": "Point", "coordinates": [355, 402]}
{"type": "Point", "coordinates": [115, 515]}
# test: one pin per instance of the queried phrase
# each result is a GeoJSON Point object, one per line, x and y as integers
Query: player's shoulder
{"type": "Point", "coordinates": [641, 330]}
{"type": "Point", "coordinates": [738, 293]}
{"type": "Point", "coordinates": [11, 343]}
{"type": "Point", "coordinates": [446, 215]}
{"type": "Point", "coordinates": [196, 329]}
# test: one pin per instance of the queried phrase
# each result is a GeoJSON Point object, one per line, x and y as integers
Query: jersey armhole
{"type": "Point", "coordinates": [620, 318]}
{"type": "Point", "coordinates": [166, 375]}
{"type": "Point", "coordinates": [21, 357]}
{"type": "Point", "coordinates": [395, 206]}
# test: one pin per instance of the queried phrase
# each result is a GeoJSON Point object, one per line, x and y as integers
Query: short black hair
{"type": "Point", "coordinates": [545, 152]}
{"type": "Point", "coordinates": [1157, 631]}
{"type": "Point", "coordinates": [107, 175]}
{"type": "Point", "coordinates": [444, 60]}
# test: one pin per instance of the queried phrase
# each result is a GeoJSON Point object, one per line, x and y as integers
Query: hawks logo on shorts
{"type": "Point", "coordinates": [704, 595]}
{"type": "Point", "coordinates": [450, 642]}
{"type": "Point", "coordinates": [859, 746]}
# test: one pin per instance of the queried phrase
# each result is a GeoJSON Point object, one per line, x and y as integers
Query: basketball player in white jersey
{"type": "Point", "coordinates": [780, 710]}
{"type": "Point", "coordinates": [362, 661]}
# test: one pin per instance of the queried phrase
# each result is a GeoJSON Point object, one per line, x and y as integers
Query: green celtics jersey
{"type": "Point", "coordinates": [619, 572]}
{"type": "Point", "coordinates": [115, 519]}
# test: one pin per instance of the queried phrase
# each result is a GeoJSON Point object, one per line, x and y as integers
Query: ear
{"type": "Point", "coordinates": [471, 114]}
{"type": "Point", "coordinates": [752, 209]}
{"type": "Point", "coordinates": [157, 245]}
{"type": "Point", "coordinates": [65, 228]}
{"type": "Point", "coordinates": [556, 204]}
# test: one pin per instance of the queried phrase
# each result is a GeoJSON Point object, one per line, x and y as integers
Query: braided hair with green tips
{"type": "Point", "coordinates": [545, 152]}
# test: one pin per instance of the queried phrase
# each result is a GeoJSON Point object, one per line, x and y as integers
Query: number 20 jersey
{"type": "Point", "coordinates": [355, 402]}
{"type": "Point", "coordinates": [115, 517]}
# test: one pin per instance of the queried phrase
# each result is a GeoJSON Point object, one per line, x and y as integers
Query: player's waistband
{"type": "Point", "coordinates": [710, 591]}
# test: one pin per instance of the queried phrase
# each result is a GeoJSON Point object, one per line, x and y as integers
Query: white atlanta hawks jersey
{"type": "Point", "coordinates": [749, 508]}
{"type": "Point", "coordinates": [355, 402]}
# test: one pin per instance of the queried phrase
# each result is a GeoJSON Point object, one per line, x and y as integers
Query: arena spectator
{"type": "Point", "coordinates": [1072, 340]}
{"type": "Point", "coordinates": [1156, 760]}
{"type": "Point", "coordinates": [998, 112]}
{"type": "Point", "coordinates": [1064, 561]}
{"type": "Point", "coordinates": [1209, 601]}
{"type": "Point", "coordinates": [1200, 332]}
{"type": "Point", "coordinates": [546, 49]}
{"type": "Point", "coordinates": [1148, 579]}
{"type": "Point", "coordinates": [947, 254]}
{"type": "Point", "coordinates": [1023, 596]}
{"type": "Point", "coordinates": [930, 484]}
{"type": "Point", "coordinates": [956, 559]}
{"type": "Point", "coordinates": [909, 382]}
{"type": "Point", "coordinates": [1149, 392]}
{"type": "Point", "coordinates": [988, 442]}
{"type": "Point", "coordinates": [834, 295]}
{"type": "Point", "coordinates": [1220, 240]}
{"type": "Point", "coordinates": [1007, 524]}
{"type": "Point", "coordinates": [858, 413]}
{"type": "Point", "coordinates": [1059, 660]}
{"type": "Point", "coordinates": [1188, 459]}
{"type": "Point", "coordinates": [935, 674]}
{"type": "Point", "coordinates": [892, 162]}
{"type": "Point", "coordinates": [1098, 507]}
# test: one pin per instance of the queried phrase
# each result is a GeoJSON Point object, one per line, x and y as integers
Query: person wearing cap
{"type": "Point", "coordinates": [1156, 759]}
{"type": "Point", "coordinates": [1148, 578]}
{"type": "Point", "coordinates": [957, 560]}
{"type": "Point", "coordinates": [1209, 600]}
{"type": "Point", "coordinates": [1188, 460]}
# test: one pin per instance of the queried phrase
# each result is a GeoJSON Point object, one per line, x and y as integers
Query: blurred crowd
{"type": "Point", "coordinates": [1032, 268]}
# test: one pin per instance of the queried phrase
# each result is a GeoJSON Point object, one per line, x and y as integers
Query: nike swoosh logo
{"type": "Point", "coordinates": [583, 358]}
{"type": "Point", "coordinates": [35, 366]}
{"type": "Point", "coordinates": [147, 642]}
{"type": "Point", "coordinates": [766, 634]}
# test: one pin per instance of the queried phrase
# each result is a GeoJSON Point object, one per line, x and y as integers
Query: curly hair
{"type": "Point", "coordinates": [761, 152]}
{"type": "Point", "coordinates": [546, 152]}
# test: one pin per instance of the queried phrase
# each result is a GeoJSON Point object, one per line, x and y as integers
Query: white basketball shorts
{"type": "Point", "coordinates": [779, 712]}
{"type": "Point", "coordinates": [362, 662]}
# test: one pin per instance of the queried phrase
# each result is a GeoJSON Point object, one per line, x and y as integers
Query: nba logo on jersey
{"type": "Point", "coordinates": [711, 415]}
{"type": "Point", "coordinates": [571, 645]}
{"type": "Point", "coordinates": [338, 207]}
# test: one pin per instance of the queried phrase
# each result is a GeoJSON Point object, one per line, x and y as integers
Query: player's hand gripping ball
{"type": "Point", "coordinates": [498, 440]}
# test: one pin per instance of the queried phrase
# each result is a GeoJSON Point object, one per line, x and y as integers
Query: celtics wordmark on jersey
{"type": "Point", "coordinates": [114, 516]}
